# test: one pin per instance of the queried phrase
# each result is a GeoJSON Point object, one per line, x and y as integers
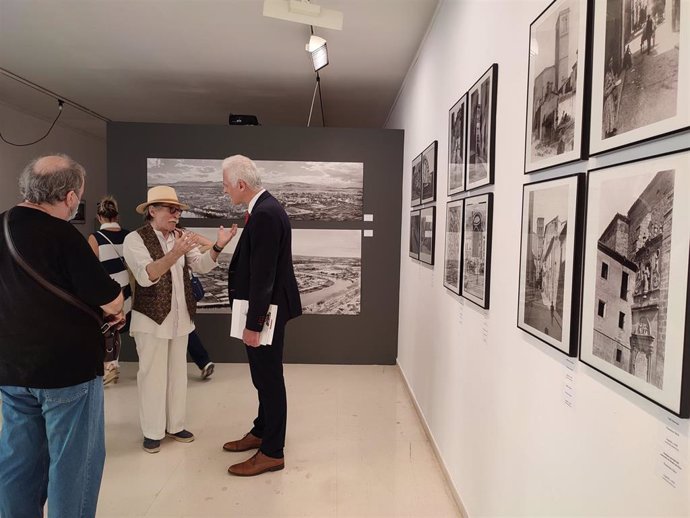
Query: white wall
{"type": "Point", "coordinates": [492, 395]}
{"type": "Point", "coordinates": [88, 150]}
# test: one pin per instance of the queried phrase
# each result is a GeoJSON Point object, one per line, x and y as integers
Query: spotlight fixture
{"type": "Point", "coordinates": [319, 53]}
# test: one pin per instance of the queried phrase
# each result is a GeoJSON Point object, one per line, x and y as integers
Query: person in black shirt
{"type": "Point", "coordinates": [52, 443]}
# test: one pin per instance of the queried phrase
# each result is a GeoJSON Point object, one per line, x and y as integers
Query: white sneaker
{"type": "Point", "coordinates": [207, 371]}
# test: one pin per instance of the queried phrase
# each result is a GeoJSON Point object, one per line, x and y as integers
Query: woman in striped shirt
{"type": "Point", "coordinates": [106, 243]}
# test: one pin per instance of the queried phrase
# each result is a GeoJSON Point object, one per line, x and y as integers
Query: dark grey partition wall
{"type": "Point", "coordinates": [367, 338]}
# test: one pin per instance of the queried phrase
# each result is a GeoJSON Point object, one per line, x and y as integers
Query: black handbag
{"type": "Point", "coordinates": [197, 288]}
{"type": "Point", "coordinates": [110, 334]}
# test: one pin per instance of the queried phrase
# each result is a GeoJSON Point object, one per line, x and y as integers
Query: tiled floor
{"type": "Point", "coordinates": [355, 448]}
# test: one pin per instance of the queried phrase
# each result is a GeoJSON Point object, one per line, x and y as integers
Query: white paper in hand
{"type": "Point", "coordinates": [239, 321]}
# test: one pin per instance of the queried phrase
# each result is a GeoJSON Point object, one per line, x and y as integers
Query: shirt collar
{"type": "Point", "coordinates": [250, 207]}
{"type": "Point", "coordinates": [108, 225]}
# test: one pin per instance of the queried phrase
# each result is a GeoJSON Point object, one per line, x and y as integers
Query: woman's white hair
{"type": "Point", "coordinates": [239, 167]}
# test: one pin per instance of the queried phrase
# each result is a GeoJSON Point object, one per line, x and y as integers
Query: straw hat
{"type": "Point", "coordinates": [161, 194]}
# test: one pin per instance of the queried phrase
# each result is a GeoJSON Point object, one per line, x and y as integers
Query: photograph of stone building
{"type": "Point", "coordinates": [427, 234]}
{"type": "Point", "coordinates": [457, 119]}
{"type": "Point", "coordinates": [453, 251]}
{"type": "Point", "coordinates": [416, 186]}
{"type": "Point", "coordinates": [554, 117]}
{"type": "Point", "coordinates": [309, 191]}
{"type": "Point", "coordinates": [428, 172]}
{"type": "Point", "coordinates": [481, 114]}
{"type": "Point", "coordinates": [414, 234]}
{"type": "Point", "coordinates": [477, 249]}
{"type": "Point", "coordinates": [632, 276]}
{"type": "Point", "coordinates": [545, 260]}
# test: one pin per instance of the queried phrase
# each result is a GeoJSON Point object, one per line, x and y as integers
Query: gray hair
{"type": "Point", "coordinates": [239, 167]}
{"type": "Point", "coordinates": [51, 181]}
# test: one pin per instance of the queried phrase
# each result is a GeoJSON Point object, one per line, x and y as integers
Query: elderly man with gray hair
{"type": "Point", "coordinates": [52, 443]}
{"type": "Point", "coordinates": [261, 272]}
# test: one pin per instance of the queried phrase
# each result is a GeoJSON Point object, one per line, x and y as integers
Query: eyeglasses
{"type": "Point", "coordinates": [172, 209]}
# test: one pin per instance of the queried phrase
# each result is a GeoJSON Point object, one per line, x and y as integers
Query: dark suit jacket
{"type": "Point", "coordinates": [261, 269]}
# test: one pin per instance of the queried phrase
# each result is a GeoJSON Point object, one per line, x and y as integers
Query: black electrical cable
{"type": "Point", "coordinates": [60, 103]}
{"type": "Point", "coordinates": [323, 116]}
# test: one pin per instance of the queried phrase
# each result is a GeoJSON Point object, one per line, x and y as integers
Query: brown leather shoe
{"type": "Point", "coordinates": [256, 465]}
{"type": "Point", "coordinates": [248, 442]}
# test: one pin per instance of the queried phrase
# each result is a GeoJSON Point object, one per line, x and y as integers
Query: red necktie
{"type": "Point", "coordinates": [246, 217]}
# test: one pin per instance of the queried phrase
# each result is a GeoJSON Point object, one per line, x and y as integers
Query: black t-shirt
{"type": "Point", "coordinates": [44, 341]}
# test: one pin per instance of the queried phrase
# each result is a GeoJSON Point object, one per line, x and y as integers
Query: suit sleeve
{"type": "Point", "coordinates": [265, 242]}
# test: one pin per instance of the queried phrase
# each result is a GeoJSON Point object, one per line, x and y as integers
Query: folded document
{"type": "Point", "coordinates": [239, 321]}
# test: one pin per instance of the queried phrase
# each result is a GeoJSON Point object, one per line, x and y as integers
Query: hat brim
{"type": "Point", "coordinates": [142, 208]}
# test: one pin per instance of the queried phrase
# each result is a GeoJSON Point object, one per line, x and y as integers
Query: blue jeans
{"type": "Point", "coordinates": [52, 446]}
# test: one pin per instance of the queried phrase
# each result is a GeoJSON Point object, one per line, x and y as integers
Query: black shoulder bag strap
{"type": "Point", "coordinates": [55, 290]}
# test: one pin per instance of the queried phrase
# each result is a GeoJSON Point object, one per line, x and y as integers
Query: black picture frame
{"type": "Point", "coordinates": [557, 128]}
{"type": "Point", "coordinates": [639, 84]}
{"type": "Point", "coordinates": [452, 258]}
{"type": "Point", "coordinates": [457, 146]}
{"type": "Point", "coordinates": [427, 234]}
{"type": "Point", "coordinates": [429, 168]}
{"type": "Point", "coordinates": [415, 227]}
{"type": "Point", "coordinates": [477, 237]}
{"type": "Point", "coordinates": [635, 275]}
{"type": "Point", "coordinates": [480, 160]}
{"type": "Point", "coordinates": [549, 286]}
{"type": "Point", "coordinates": [416, 182]}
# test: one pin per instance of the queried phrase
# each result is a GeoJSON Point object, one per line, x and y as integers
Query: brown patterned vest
{"type": "Point", "coordinates": [156, 301]}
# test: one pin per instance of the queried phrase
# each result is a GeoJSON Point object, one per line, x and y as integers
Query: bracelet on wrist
{"type": "Point", "coordinates": [217, 248]}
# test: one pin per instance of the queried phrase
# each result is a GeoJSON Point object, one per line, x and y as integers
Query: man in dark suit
{"type": "Point", "coordinates": [261, 272]}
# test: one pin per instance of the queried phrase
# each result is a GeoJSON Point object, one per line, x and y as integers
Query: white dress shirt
{"type": "Point", "coordinates": [178, 322]}
{"type": "Point", "coordinates": [250, 207]}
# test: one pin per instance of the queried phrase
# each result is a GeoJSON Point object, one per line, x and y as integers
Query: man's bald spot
{"type": "Point", "coordinates": [50, 164]}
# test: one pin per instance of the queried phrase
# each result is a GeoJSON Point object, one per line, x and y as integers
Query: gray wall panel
{"type": "Point", "coordinates": [368, 338]}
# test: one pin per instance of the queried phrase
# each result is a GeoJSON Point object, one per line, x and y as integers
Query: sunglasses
{"type": "Point", "coordinates": [172, 209]}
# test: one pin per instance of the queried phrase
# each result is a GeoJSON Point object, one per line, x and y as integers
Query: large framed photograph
{"type": "Point", "coordinates": [453, 253]}
{"type": "Point", "coordinates": [414, 234]}
{"type": "Point", "coordinates": [640, 71]}
{"type": "Point", "coordinates": [457, 152]}
{"type": "Point", "coordinates": [635, 311]}
{"type": "Point", "coordinates": [481, 130]}
{"type": "Point", "coordinates": [551, 261]}
{"type": "Point", "coordinates": [429, 156]}
{"type": "Point", "coordinates": [416, 187]}
{"type": "Point", "coordinates": [427, 234]}
{"type": "Point", "coordinates": [476, 263]}
{"type": "Point", "coordinates": [555, 85]}
{"type": "Point", "coordinates": [309, 191]}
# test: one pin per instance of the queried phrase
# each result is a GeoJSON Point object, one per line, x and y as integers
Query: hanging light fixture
{"type": "Point", "coordinates": [319, 53]}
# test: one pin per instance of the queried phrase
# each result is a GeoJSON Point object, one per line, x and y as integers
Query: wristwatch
{"type": "Point", "coordinates": [217, 248]}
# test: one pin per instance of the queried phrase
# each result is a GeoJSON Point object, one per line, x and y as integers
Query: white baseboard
{"type": "Point", "coordinates": [434, 447]}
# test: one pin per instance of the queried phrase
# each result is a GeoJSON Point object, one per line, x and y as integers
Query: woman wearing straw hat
{"type": "Point", "coordinates": [160, 257]}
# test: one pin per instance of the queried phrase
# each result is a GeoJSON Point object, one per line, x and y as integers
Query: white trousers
{"type": "Point", "coordinates": [162, 382]}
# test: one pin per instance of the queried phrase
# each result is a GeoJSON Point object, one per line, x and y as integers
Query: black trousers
{"type": "Point", "coordinates": [266, 367]}
{"type": "Point", "coordinates": [197, 351]}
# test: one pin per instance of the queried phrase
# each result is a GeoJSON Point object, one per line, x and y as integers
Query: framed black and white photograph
{"type": "Point", "coordinates": [414, 234]}
{"type": "Point", "coordinates": [453, 253]}
{"type": "Point", "coordinates": [416, 187]}
{"type": "Point", "coordinates": [428, 172]}
{"type": "Point", "coordinates": [481, 129]}
{"type": "Point", "coordinates": [555, 87]}
{"type": "Point", "coordinates": [476, 259]}
{"type": "Point", "coordinates": [635, 292]}
{"type": "Point", "coordinates": [309, 191]}
{"type": "Point", "coordinates": [457, 155]}
{"type": "Point", "coordinates": [551, 261]}
{"type": "Point", "coordinates": [328, 268]}
{"type": "Point", "coordinates": [427, 234]}
{"type": "Point", "coordinates": [640, 71]}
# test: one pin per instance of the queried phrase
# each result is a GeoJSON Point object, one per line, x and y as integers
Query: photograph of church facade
{"type": "Point", "coordinates": [632, 270]}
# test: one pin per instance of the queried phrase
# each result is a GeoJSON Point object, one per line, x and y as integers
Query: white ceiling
{"type": "Point", "coordinates": [196, 61]}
